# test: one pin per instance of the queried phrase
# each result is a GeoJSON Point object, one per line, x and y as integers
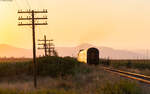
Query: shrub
{"type": "Point", "coordinates": [51, 91]}
{"type": "Point", "coordinates": [47, 66]}
{"type": "Point", "coordinates": [138, 64]}
{"type": "Point", "coordinates": [57, 66]}
{"type": "Point", "coordinates": [120, 87]}
{"type": "Point", "coordinates": [15, 69]}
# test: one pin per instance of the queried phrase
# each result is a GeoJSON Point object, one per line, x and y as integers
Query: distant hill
{"type": "Point", "coordinates": [11, 51]}
{"type": "Point", "coordinates": [105, 52]}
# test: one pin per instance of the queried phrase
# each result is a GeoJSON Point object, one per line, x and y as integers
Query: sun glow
{"type": "Point", "coordinates": [112, 23]}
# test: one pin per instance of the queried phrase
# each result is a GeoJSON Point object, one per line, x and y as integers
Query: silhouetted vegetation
{"type": "Point", "coordinates": [57, 66]}
{"type": "Point", "coordinates": [47, 66]}
{"type": "Point", "coordinates": [12, 59]}
{"type": "Point", "coordinates": [64, 75]}
{"type": "Point", "coordinates": [137, 64]}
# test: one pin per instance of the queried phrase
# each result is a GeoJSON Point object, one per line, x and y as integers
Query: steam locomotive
{"type": "Point", "coordinates": [89, 56]}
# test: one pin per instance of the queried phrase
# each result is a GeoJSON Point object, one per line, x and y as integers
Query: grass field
{"type": "Point", "coordinates": [137, 66]}
{"type": "Point", "coordinates": [57, 75]}
{"type": "Point", "coordinates": [12, 59]}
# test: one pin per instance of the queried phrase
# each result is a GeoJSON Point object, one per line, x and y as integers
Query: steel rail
{"type": "Point", "coordinates": [135, 76]}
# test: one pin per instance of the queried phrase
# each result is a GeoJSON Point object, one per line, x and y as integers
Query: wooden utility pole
{"type": "Point", "coordinates": [46, 45]}
{"type": "Point", "coordinates": [33, 24]}
{"type": "Point", "coordinates": [51, 49]}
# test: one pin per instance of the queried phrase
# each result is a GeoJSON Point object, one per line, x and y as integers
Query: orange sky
{"type": "Point", "coordinates": [122, 24]}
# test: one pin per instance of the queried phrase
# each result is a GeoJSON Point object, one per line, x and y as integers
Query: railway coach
{"type": "Point", "coordinates": [89, 56]}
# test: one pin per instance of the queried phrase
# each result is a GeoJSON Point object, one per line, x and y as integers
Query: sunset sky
{"type": "Point", "coordinates": [121, 24]}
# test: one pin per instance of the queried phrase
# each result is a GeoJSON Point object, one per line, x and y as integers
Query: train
{"type": "Point", "coordinates": [89, 56]}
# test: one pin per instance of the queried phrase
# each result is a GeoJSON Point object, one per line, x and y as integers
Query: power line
{"type": "Point", "coordinates": [17, 4]}
{"type": "Point", "coordinates": [28, 4]}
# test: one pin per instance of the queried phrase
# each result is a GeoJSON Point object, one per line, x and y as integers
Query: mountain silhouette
{"type": "Point", "coordinates": [11, 51]}
{"type": "Point", "coordinates": [105, 52]}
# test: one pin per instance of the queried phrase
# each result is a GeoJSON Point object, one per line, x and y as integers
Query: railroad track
{"type": "Point", "coordinates": [135, 76]}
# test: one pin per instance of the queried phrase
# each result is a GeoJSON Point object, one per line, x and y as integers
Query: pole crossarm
{"type": "Point", "coordinates": [46, 48]}
{"type": "Point", "coordinates": [20, 18]}
{"type": "Point", "coordinates": [45, 40]}
{"type": "Point", "coordinates": [30, 11]}
{"type": "Point", "coordinates": [47, 43]}
{"type": "Point", "coordinates": [41, 44]}
{"type": "Point", "coordinates": [22, 24]}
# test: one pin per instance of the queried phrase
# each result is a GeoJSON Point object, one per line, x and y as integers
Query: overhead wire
{"type": "Point", "coordinates": [40, 34]}
{"type": "Point", "coordinates": [21, 5]}
{"type": "Point", "coordinates": [28, 4]}
{"type": "Point", "coordinates": [41, 30]}
{"type": "Point", "coordinates": [17, 4]}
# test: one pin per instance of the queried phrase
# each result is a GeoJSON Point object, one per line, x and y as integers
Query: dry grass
{"type": "Point", "coordinates": [136, 66]}
{"type": "Point", "coordinates": [97, 81]}
{"type": "Point", "coordinates": [65, 76]}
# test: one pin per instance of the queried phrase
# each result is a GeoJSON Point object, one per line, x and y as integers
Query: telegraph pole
{"type": "Point", "coordinates": [51, 49]}
{"type": "Point", "coordinates": [33, 24]}
{"type": "Point", "coordinates": [46, 45]}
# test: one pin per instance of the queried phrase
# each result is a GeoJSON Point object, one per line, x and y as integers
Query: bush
{"type": "Point", "coordinates": [57, 66]}
{"type": "Point", "coordinates": [46, 66]}
{"type": "Point", "coordinates": [51, 91]}
{"type": "Point", "coordinates": [15, 69]}
{"type": "Point", "coordinates": [136, 64]}
{"type": "Point", "coordinates": [121, 87]}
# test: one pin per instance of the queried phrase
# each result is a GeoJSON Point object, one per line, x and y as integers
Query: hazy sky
{"type": "Point", "coordinates": [123, 24]}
